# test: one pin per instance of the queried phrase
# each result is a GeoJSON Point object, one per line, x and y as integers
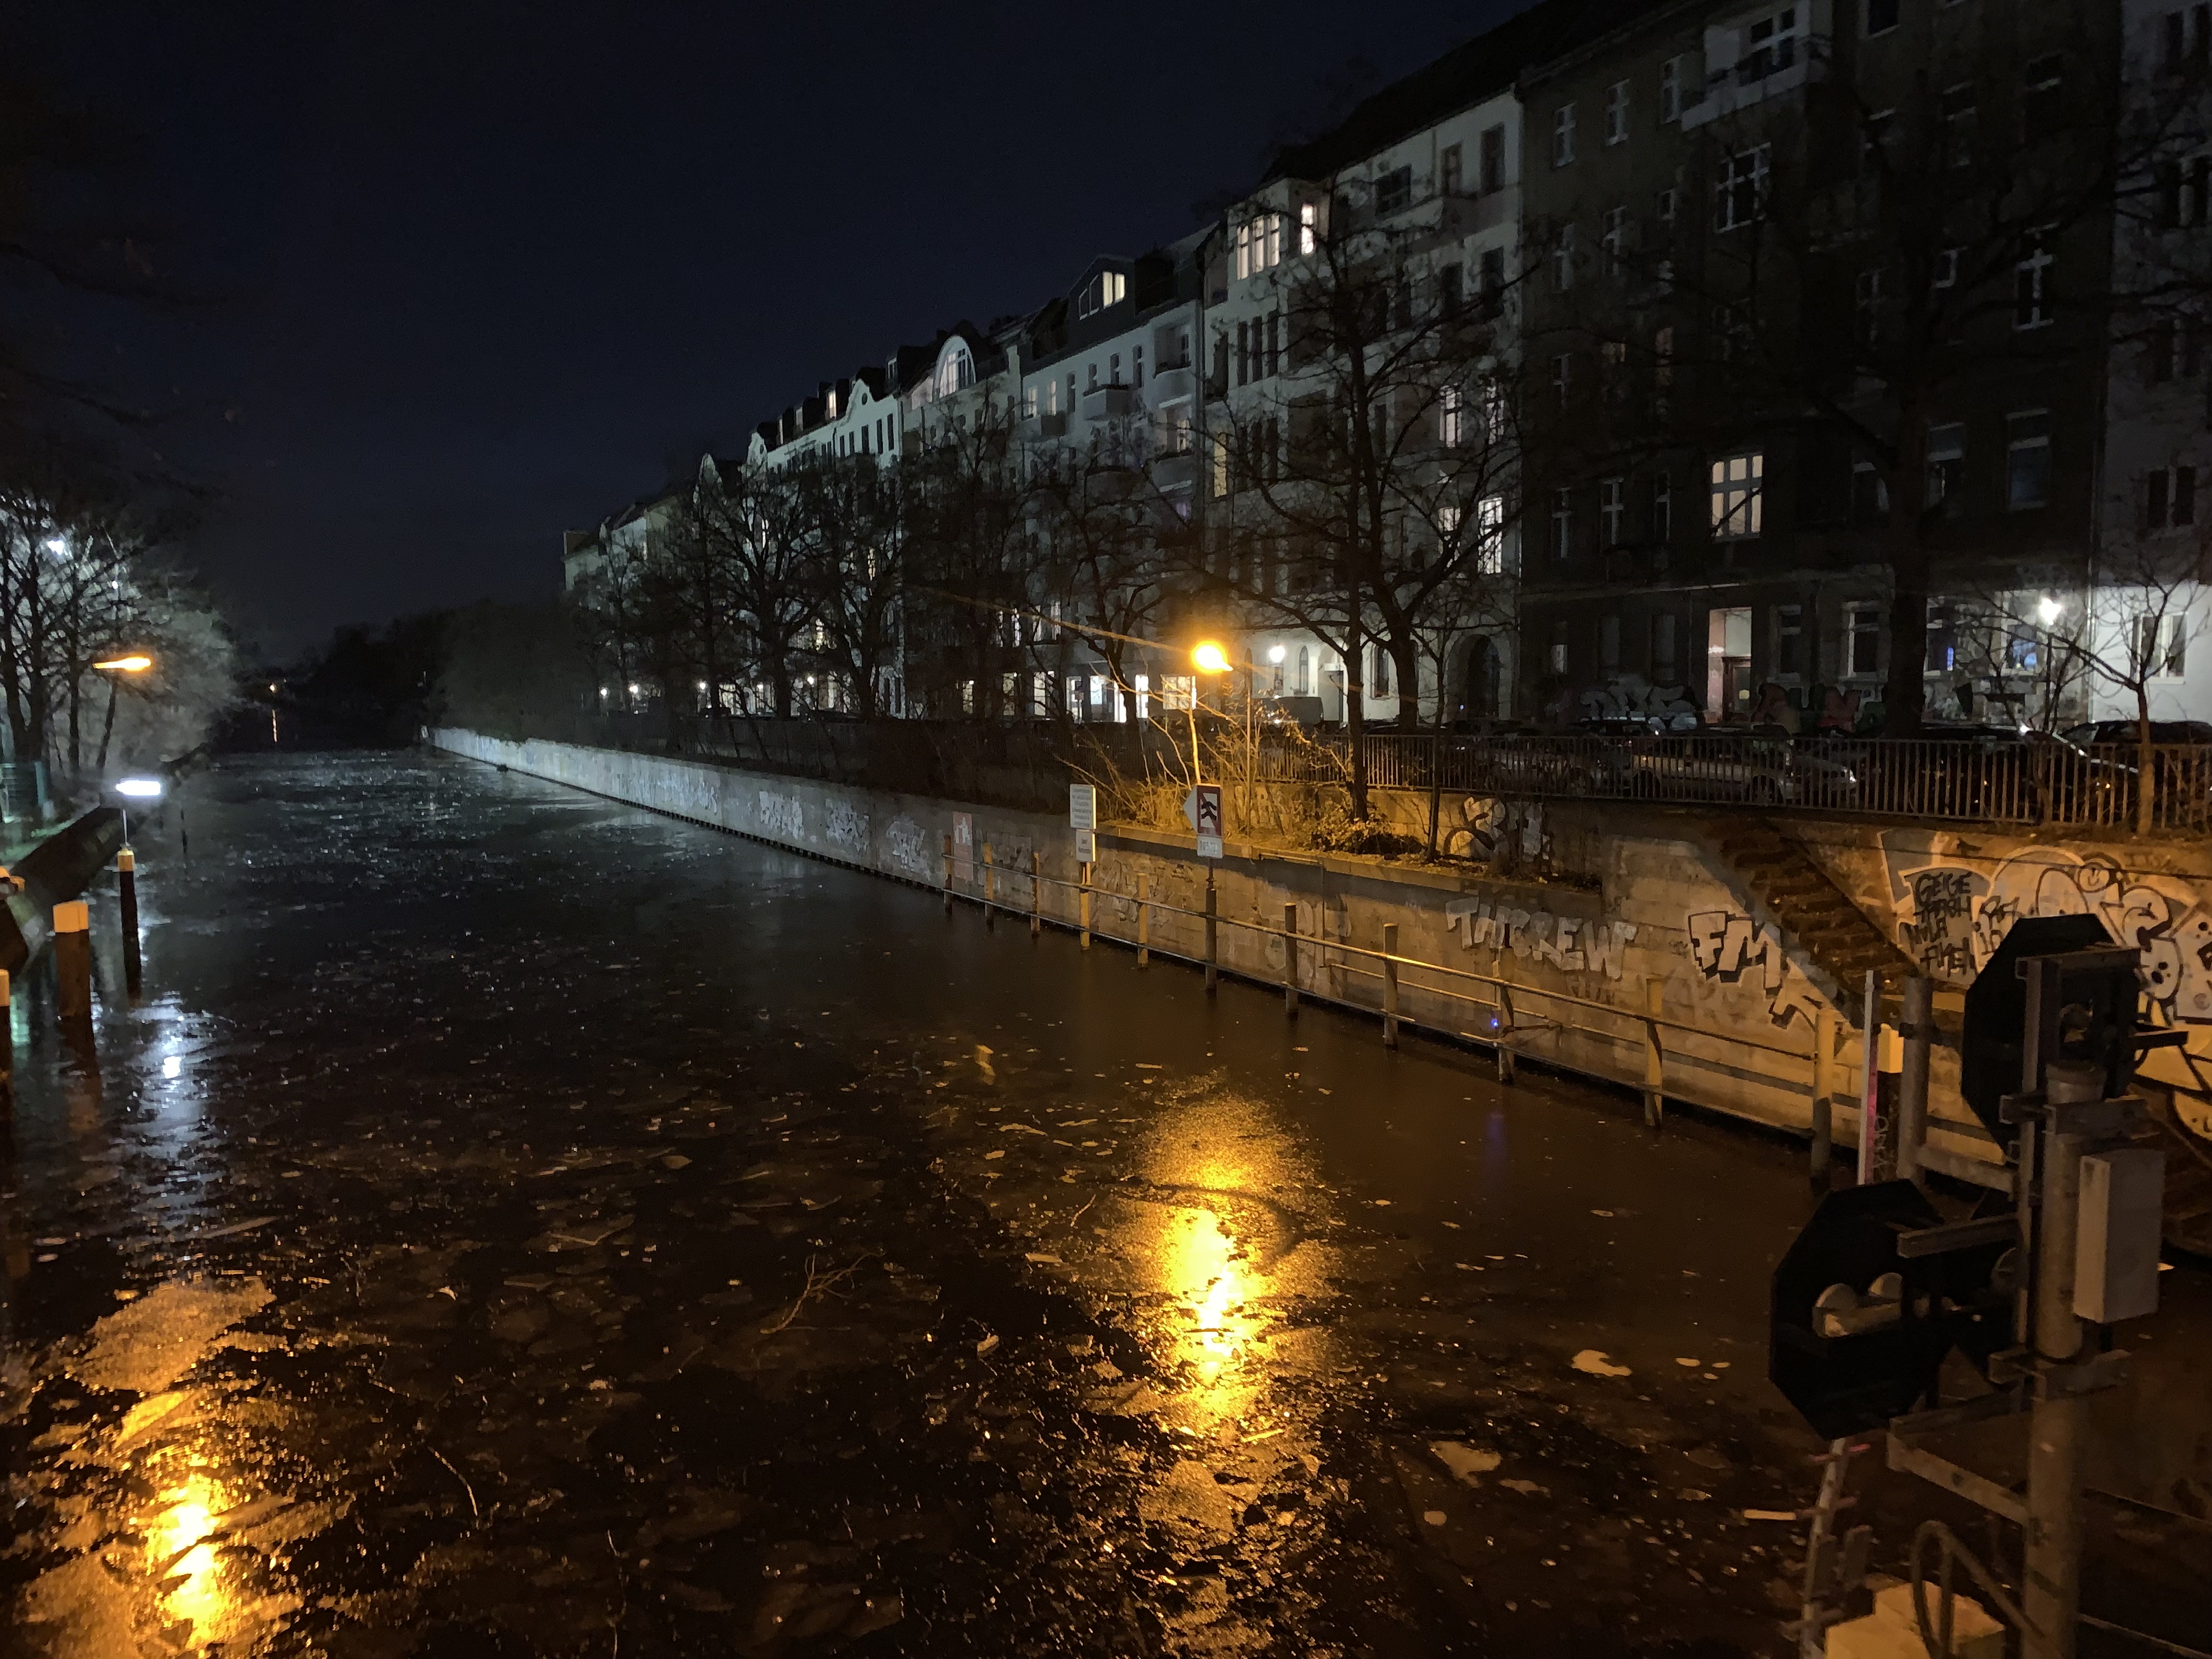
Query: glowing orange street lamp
{"type": "Point", "coordinates": [136, 663]}
{"type": "Point", "coordinates": [1210, 658]}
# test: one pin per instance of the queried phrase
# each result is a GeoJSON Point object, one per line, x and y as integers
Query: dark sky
{"type": "Point", "coordinates": [477, 272]}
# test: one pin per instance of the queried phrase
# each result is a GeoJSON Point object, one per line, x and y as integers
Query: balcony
{"type": "Point", "coordinates": [1108, 403]}
{"type": "Point", "coordinates": [1048, 426]}
{"type": "Point", "coordinates": [1739, 75]}
{"type": "Point", "coordinates": [1173, 384]}
{"type": "Point", "coordinates": [1174, 471]}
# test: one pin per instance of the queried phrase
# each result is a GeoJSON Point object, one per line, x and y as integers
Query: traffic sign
{"type": "Point", "coordinates": [1206, 818]}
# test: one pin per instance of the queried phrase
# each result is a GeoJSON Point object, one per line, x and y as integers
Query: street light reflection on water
{"type": "Point", "coordinates": [178, 1552]}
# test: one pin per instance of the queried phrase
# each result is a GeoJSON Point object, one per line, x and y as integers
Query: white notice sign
{"type": "Point", "coordinates": [1082, 806]}
{"type": "Point", "coordinates": [1087, 846]}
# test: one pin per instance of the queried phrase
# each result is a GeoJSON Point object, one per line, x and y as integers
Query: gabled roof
{"type": "Point", "coordinates": [1481, 68]}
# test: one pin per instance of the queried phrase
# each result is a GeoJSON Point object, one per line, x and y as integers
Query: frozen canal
{"type": "Point", "coordinates": [510, 1224]}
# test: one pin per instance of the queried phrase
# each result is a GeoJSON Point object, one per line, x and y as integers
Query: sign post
{"type": "Point", "coordinates": [1083, 818]}
{"type": "Point", "coordinates": [1202, 808]}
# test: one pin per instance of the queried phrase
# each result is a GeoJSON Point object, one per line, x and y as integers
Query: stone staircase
{"type": "Point", "coordinates": [1781, 884]}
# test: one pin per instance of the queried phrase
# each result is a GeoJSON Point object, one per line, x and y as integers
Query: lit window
{"type": "Point", "coordinates": [1490, 536]}
{"type": "Point", "coordinates": [1450, 418]}
{"type": "Point", "coordinates": [1738, 486]}
{"type": "Point", "coordinates": [1946, 462]}
{"type": "Point", "coordinates": [1863, 639]}
{"type": "Point", "coordinates": [1309, 214]}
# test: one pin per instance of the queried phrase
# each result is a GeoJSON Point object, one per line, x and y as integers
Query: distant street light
{"type": "Point", "coordinates": [139, 788]}
{"type": "Point", "coordinates": [135, 663]}
{"type": "Point", "coordinates": [1210, 658]}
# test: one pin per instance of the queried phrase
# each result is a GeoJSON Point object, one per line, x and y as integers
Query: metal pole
{"type": "Point", "coordinates": [1654, 1069]}
{"type": "Point", "coordinates": [1920, 1028]}
{"type": "Point", "coordinates": [1505, 1032]}
{"type": "Point", "coordinates": [1082, 898]}
{"type": "Point", "coordinates": [1389, 984]}
{"type": "Point", "coordinates": [1824, 1088]}
{"type": "Point", "coordinates": [126, 890]}
{"type": "Point", "coordinates": [1869, 1073]}
{"type": "Point", "coordinates": [1037, 897]}
{"type": "Point", "coordinates": [1144, 925]}
{"type": "Point", "coordinates": [948, 872]}
{"type": "Point", "coordinates": [2056, 1431]}
{"type": "Point", "coordinates": [1213, 966]}
{"type": "Point", "coordinates": [1291, 959]}
{"type": "Point", "coordinates": [990, 889]}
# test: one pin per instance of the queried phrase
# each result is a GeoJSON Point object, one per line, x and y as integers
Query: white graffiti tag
{"type": "Point", "coordinates": [1566, 942]}
{"type": "Point", "coordinates": [1726, 945]}
{"type": "Point", "coordinates": [779, 817]}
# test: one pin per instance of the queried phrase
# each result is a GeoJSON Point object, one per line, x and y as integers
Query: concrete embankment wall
{"type": "Point", "coordinates": [1568, 967]}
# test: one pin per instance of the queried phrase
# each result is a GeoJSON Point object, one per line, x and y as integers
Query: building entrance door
{"type": "Point", "coordinates": [1727, 665]}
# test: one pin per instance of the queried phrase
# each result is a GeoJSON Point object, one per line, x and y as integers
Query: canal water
{"type": "Point", "coordinates": [509, 1223]}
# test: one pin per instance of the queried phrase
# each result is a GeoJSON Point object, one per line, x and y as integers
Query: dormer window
{"type": "Point", "coordinates": [831, 408]}
{"type": "Point", "coordinates": [1107, 288]}
{"type": "Point", "coordinates": [1259, 245]}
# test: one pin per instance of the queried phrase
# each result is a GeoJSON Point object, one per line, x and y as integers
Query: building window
{"type": "Point", "coordinates": [2162, 645]}
{"type": "Point", "coordinates": [1305, 672]}
{"type": "Point", "coordinates": [2183, 193]}
{"type": "Point", "coordinates": [2027, 458]}
{"type": "Point", "coordinates": [1740, 196]}
{"type": "Point", "coordinates": [1665, 204]}
{"type": "Point", "coordinates": [1490, 536]}
{"type": "Point", "coordinates": [1492, 159]}
{"type": "Point", "coordinates": [1259, 245]}
{"type": "Point", "coordinates": [1114, 368]}
{"type": "Point", "coordinates": [2186, 36]}
{"type": "Point", "coordinates": [1880, 16]}
{"type": "Point", "coordinates": [1772, 43]}
{"type": "Point", "coordinates": [1959, 124]}
{"type": "Point", "coordinates": [1946, 464]}
{"type": "Point", "coordinates": [1562, 136]}
{"type": "Point", "coordinates": [1862, 640]}
{"type": "Point", "coordinates": [1563, 376]}
{"type": "Point", "coordinates": [1614, 239]}
{"type": "Point", "coordinates": [1220, 468]}
{"type": "Point", "coordinates": [1875, 131]}
{"type": "Point", "coordinates": [1662, 509]}
{"type": "Point", "coordinates": [1308, 227]}
{"type": "Point", "coordinates": [2041, 97]}
{"type": "Point", "coordinates": [2170, 498]}
{"type": "Point", "coordinates": [1941, 654]}
{"type": "Point", "coordinates": [1394, 191]}
{"type": "Point", "coordinates": [1378, 677]}
{"type": "Point", "coordinates": [1563, 259]}
{"type": "Point", "coordinates": [2031, 304]}
{"type": "Point", "coordinates": [1869, 307]}
{"type": "Point", "coordinates": [1558, 647]}
{"type": "Point", "coordinates": [1738, 486]}
{"type": "Point", "coordinates": [1870, 495]}
{"type": "Point", "coordinates": [1450, 417]}
{"type": "Point", "coordinates": [1563, 523]}
{"type": "Point", "coordinates": [1448, 180]}
{"type": "Point", "coordinates": [1788, 641]}
{"type": "Point", "coordinates": [1616, 113]}
{"type": "Point", "coordinates": [1490, 279]}
{"type": "Point", "coordinates": [1612, 511]}
{"type": "Point", "coordinates": [1670, 90]}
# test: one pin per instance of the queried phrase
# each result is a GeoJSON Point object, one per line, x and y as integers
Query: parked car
{"type": "Point", "coordinates": [1759, 764]}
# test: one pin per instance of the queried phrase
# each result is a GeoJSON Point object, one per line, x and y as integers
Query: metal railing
{"type": "Point", "coordinates": [2029, 780]}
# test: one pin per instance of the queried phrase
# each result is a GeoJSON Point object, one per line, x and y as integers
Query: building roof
{"type": "Point", "coordinates": [1478, 68]}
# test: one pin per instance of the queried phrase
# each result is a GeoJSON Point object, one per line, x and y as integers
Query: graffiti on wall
{"type": "Point", "coordinates": [844, 825]}
{"type": "Point", "coordinates": [1729, 948]}
{"type": "Point", "coordinates": [779, 817]}
{"type": "Point", "coordinates": [903, 841]}
{"type": "Point", "coordinates": [1567, 943]}
{"type": "Point", "coordinates": [1507, 832]}
{"type": "Point", "coordinates": [1951, 918]}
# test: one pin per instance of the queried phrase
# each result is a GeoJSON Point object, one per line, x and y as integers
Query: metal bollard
{"type": "Point", "coordinates": [1291, 959]}
{"type": "Point", "coordinates": [990, 889]}
{"type": "Point", "coordinates": [1389, 984]}
{"type": "Point", "coordinates": [1144, 928]}
{"type": "Point", "coordinates": [1037, 897]}
{"type": "Point", "coordinates": [126, 890]}
{"type": "Point", "coordinates": [1824, 1097]}
{"type": "Point", "coordinates": [1505, 1032]}
{"type": "Point", "coordinates": [1655, 1066]}
{"type": "Point", "coordinates": [948, 873]}
{"type": "Point", "coordinates": [1213, 960]}
{"type": "Point", "coordinates": [73, 958]}
{"type": "Point", "coordinates": [1083, 900]}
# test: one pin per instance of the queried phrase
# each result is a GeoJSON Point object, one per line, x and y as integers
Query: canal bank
{"type": "Point", "coordinates": [1622, 950]}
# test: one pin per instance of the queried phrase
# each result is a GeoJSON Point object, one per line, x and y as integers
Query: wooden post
{"type": "Point", "coordinates": [1083, 899]}
{"type": "Point", "coordinates": [948, 872]}
{"type": "Point", "coordinates": [1504, 1034]}
{"type": "Point", "coordinates": [1654, 1070]}
{"type": "Point", "coordinates": [1213, 968]}
{"type": "Point", "coordinates": [1389, 985]}
{"type": "Point", "coordinates": [1918, 1031]}
{"type": "Point", "coordinates": [1823, 1097]}
{"type": "Point", "coordinates": [73, 958]}
{"type": "Point", "coordinates": [1291, 959]}
{"type": "Point", "coordinates": [1143, 926]}
{"type": "Point", "coordinates": [990, 888]}
{"type": "Point", "coordinates": [1036, 896]}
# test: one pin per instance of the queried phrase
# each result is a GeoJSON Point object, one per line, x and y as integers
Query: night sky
{"type": "Point", "coordinates": [469, 274]}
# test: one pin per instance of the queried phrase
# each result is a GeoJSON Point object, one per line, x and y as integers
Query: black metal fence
{"type": "Point", "coordinates": [2028, 778]}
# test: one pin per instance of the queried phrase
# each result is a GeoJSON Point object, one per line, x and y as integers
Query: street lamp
{"type": "Point", "coordinates": [136, 663]}
{"type": "Point", "coordinates": [135, 789]}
